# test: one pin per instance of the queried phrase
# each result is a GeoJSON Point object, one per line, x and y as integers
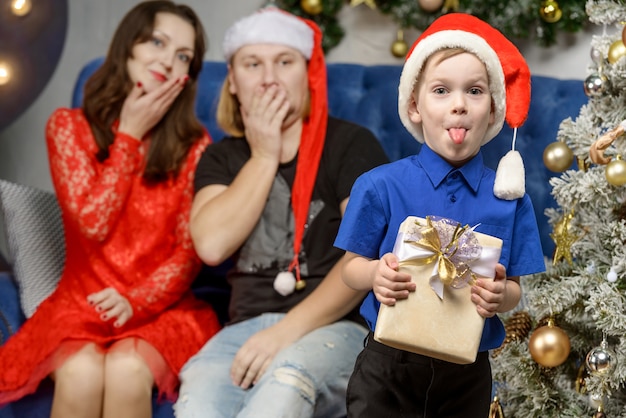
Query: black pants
{"type": "Point", "coordinates": [391, 383]}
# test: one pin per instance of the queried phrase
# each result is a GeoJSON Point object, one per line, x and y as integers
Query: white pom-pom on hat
{"type": "Point", "coordinates": [285, 283]}
{"type": "Point", "coordinates": [509, 184]}
{"type": "Point", "coordinates": [509, 84]}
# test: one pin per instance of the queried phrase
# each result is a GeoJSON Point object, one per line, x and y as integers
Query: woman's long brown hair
{"type": "Point", "coordinates": [106, 90]}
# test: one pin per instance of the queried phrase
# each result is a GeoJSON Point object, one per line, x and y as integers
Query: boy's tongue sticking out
{"type": "Point", "coordinates": [457, 135]}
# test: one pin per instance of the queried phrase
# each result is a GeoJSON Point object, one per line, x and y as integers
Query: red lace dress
{"type": "Point", "coordinates": [122, 233]}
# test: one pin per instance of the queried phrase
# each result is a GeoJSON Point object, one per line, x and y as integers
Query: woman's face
{"type": "Point", "coordinates": [167, 54]}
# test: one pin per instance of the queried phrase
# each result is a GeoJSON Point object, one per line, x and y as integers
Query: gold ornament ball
{"type": "Point", "coordinates": [558, 157]}
{"type": "Point", "coordinates": [616, 51]}
{"type": "Point", "coordinates": [550, 11]}
{"type": "Point", "coordinates": [549, 346]}
{"type": "Point", "coordinates": [616, 172]}
{"type": "Point", "coordinates": [399, 48]}
{"type": "Point", "coordinates": [430, 6]}
{"type": "Point", "coordinates": [312, 7]}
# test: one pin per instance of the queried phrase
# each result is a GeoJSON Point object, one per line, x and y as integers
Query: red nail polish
{"type": "Point", "coordinates": [186, 78]}
{"type": "Point", "coordinates": [139, 84]}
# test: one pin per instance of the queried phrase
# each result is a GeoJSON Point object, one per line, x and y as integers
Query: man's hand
{"type": "Point", "coordinates": [264, 121]}
{"type": "Point", "coordinates": [255, 356]}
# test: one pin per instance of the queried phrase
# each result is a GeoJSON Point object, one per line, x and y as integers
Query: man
{"type": "Point", "coordinates": [273, 195]}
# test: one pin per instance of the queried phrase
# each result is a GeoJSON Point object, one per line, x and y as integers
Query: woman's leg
{"type": "Point", "coordinates": [128, 381]}
{"type": "Point", "coordinates": [79, 385]}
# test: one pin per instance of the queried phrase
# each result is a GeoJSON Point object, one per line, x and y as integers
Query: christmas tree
{"type": "Point", "coordinates": [565, 350]}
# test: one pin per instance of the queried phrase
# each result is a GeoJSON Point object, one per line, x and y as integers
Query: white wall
{"type": "Point", "coordinates": [369, 35]}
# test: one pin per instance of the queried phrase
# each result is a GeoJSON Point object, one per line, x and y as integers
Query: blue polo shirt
{"type": "Point", "coordinates": [423, 185]}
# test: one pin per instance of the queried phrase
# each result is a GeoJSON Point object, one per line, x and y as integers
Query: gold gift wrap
{"type": "Point", "coordinates": [439, 319]}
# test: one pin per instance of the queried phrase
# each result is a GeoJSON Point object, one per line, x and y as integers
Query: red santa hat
{"type": "Point", "coordinates": [275, 26]}
{"type": "Point", "coordinates": [509, 84]}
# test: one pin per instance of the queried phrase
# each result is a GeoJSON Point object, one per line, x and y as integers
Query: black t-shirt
{"type": "Point", "coordinates": [349, 151]}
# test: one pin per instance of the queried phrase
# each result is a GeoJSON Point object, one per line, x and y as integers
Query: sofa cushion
{"type": "Point", "coordinates": [36, 243]}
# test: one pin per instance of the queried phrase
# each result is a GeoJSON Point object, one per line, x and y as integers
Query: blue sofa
{"type": "Point", "coordinates": [366, 95]}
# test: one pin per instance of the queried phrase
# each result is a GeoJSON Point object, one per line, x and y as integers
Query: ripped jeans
{"type": "Point", "coordinates": [307, 379]}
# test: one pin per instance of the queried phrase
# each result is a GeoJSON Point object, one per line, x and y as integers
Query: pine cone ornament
{"type": "Point", "coordinates": [517, 327]}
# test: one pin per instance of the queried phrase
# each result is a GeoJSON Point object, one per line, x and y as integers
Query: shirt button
{"type": "Point", "coordinates": [455, 175]}
{"type": "Point", "coordinates": [452, 198]}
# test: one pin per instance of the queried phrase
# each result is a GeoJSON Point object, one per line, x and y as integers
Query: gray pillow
{"type": "Point", "coordinates": [36, 242]}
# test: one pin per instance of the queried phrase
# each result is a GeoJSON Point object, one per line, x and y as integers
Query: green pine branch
{"type": "Point", "coordinates": [517, 19]}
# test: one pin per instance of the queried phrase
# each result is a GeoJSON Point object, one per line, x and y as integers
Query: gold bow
{"type": "Point", "coordinates": [447, 270]}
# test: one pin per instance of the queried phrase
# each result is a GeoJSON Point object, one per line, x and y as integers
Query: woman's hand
{"type": "Point", "coordinates": [110, 304]}
{"type": "Point", "coordinates": [141, 110]}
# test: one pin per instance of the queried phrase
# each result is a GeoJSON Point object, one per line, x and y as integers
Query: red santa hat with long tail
{"type": "Point", "coordinates": [274, 26]}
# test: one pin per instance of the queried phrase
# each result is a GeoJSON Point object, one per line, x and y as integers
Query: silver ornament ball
{"type": "Point", "coordinates": [596, 56]}
{"type": "Point", "coordinates": [600, 361]}
{"type": "Point", "coordinates": [596, 85]}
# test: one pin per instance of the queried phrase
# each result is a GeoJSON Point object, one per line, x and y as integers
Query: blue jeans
{"type": "Point", "coordinates": [307, 379]}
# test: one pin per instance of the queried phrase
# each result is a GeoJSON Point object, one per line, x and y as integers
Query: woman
{"type": "Point", "coordinates": [123, 318]}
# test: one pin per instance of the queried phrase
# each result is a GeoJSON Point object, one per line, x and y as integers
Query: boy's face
{"type": "Point", "coordinates": [452, 102]}
{"type": "Point", "coordinates": [255, 68]}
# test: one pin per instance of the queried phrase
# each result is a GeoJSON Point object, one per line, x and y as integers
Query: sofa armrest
{"type": "Point", "coordinates": [11, 316]}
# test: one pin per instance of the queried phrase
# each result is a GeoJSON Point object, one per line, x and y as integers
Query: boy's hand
{"type": "Point", "coordinates": [389, 285]}
{"type": "Point", "coordinates": [488, 295]}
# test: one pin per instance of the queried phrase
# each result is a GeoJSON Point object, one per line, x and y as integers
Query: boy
{"type": "Point", "coordinates": [460, 81]}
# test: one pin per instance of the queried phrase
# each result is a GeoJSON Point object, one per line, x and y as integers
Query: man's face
{"type": "Point", "coordinates": [255, 68]}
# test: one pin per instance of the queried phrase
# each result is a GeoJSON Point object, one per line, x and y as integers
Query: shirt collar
{"type": "Point", "coordinates": [437, 169]}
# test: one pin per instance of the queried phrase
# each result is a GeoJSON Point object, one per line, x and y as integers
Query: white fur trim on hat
{"type": "Point", "coordinates": [444, 40]}
{"type": "Point", "coordinates": [269, 26]}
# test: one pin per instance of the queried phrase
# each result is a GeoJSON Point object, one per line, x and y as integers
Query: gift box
{"type": "Point", "coordinates": [439, 319]}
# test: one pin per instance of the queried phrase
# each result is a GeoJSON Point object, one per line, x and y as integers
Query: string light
{"type": "Point", "coordinates": [21, 7]}
{"type": "Point", "coordinates": [5, 73]}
